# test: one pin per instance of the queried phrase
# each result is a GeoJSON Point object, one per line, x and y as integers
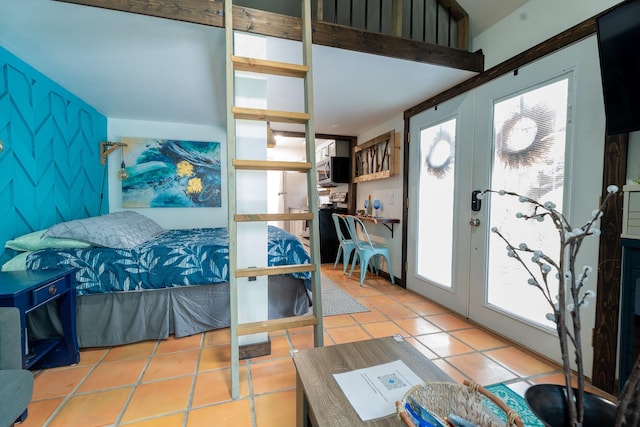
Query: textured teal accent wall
{"type": "Point", "coordinates": [50, 168]}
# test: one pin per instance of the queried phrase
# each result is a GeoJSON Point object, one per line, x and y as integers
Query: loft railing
{"type": "Point", "coordinates": [441, 22]}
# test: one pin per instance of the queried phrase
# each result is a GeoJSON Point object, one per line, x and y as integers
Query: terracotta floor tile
{"type": "Point", "coordinates": [113, 374]}
{"type": "Point", "coordinates": [338, 321]}
{"type": "Point", "coordinates": [302, 341]}
{"type": "Point", "coordinates": [214, 357]}
{"type": "Point", "coordinates": [172, 344]}
{"type": "Point", "coordinates": [301, 330]}
{"type": "Point", "coordinates": [171, 365]}
{"type": "Point", "coordinates": [377, 301]}
{"type": "Point", "coordinates": [422, 348]}
{"type": "Point", "coordinates": [357, 291]}
{"type": "Point", "coordinates": [236, 413]}
{"type": "Point", "coordinates": [39, 411]}
{"type": "Point", "coordinates": [369, 317]}
{"type": "Point", "coordinates": [275, 375]}
{"type": "Point", "coordinates": [215, 387]}
{"type": "Point", "coordinates": [480, 368]}
{"type": "Point", "coordinates": [217, 337]}
{"type": "Point", "coordinates": [276, 409]}
{"type": "Point", "coordinates": [426, 308]}
{"type": "Point", "coordinates": [306, 340]}
{"type": "Point", "coordinates": [384, 329]}
{"type": "Point", "coordinates": [519, 361]}
{"type": "Point", "coordinates": [328, 339]}
{"type": "Point", "coordinates": [158, 398]}
{"type": "Point", "coordinates": [384, 286]}
{"type": "Point", "coordinates": [279, 348]}
{"type": "Point", "coordinates": [479, 339]}
{"type": "Point", "coordinates": [417, 326]}
{"type": "Point", "coordinates": [58, 382]}
{"type": "Point", "coordinates": [91, 356]}
{"type": "Point", "coordinates": [397, 311]}
{"type": "Point", "coordinates": [405, 297]}
{"type": "Point", "coordinates": [173, 420]}
{"type": "Point", "coordinates": [448, 322]}
{"type": "Point", "coordinates": [348, 334]}
{"type": "Point", "coordinates": [131, 351]}
{"type": "Point", "coordinates": [94, 409]}
{"type": "Point", "coordinates": [443, 344]}
{"type": "Point", "coordinates": [553, 378]}
{"type": "Point", "coordinates": [457, 376]}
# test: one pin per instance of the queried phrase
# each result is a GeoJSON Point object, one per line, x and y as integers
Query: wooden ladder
{"type": "Point", "coordinates": [234, 64]}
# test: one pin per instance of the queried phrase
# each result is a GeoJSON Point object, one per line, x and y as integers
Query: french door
{"type": "Point", "coordinates": [500, 137]}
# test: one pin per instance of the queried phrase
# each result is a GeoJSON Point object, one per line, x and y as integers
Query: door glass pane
{"type": "Point", "coordinates": [529, 156]}
{"type": "Point", "coordinates": [435, 203]}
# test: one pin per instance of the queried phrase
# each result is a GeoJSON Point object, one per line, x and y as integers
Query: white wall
{"type": "Point", "coordinates": [169, 218]}
{"type": "Point", "coordinates": [389, 192]}
{"type": "Point", "coordinates": [533, 23]}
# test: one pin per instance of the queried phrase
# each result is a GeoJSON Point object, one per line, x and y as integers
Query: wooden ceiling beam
{"type": "Point", "coordinates": [211, 13]}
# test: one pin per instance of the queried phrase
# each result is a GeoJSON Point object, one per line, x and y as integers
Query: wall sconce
{"type": "Point", "coordinates": [122, 173]}
{"type": "Point", "coordinates": [107, 148]}
{"type": "Point", "coordinates": [1, 146]}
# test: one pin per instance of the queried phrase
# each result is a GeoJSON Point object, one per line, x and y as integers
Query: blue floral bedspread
{"type": "Point", "coordinates": [173, 258]}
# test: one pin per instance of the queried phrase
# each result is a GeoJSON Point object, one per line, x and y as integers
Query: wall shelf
{"type": "Point", "coordinates": [376, 158]}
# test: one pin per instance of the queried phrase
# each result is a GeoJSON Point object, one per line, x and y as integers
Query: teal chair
{"type": "Point", "coordinates": [366, 250]}
{"type": "Point", "coordinates": [346, 245]}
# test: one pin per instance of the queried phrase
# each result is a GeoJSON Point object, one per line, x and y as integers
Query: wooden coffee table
{"type": "Point", "coordinates": [319, 398]}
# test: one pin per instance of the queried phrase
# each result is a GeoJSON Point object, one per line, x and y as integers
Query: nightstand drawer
{"type": "Point", "coordinates": [48, 291]}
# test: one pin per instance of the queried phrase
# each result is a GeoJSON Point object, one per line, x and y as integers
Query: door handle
{"type": "Point", "coordinates": [476, 203]}
{"type": "Point", "coordinates": [474, 222]}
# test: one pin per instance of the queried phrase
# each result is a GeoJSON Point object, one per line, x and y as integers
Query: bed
{"type": "Point", "coordinates": [159, 283]}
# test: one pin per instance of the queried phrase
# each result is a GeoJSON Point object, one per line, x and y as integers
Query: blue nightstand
{"type": "Point", "coordinates": [28, 290]}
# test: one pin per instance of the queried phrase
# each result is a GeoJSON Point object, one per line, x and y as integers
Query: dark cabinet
{"type": "Point", "coordinates": [328, 236]}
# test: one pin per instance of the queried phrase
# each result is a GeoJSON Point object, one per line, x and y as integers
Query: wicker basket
{"type": "Point", "coordinates": [442, 399]}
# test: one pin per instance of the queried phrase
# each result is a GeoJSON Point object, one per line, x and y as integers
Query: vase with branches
{"type": "Point", "coordinates": [563, 287]}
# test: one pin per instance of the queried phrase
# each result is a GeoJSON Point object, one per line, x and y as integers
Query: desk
{"type": "Point", "coordinates": [387, 222]}
{"type": "Point", "coordinates": [318, 395]}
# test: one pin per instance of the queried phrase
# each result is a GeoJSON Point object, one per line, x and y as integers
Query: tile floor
{"type": "Point", "coordinates": [186, 382]}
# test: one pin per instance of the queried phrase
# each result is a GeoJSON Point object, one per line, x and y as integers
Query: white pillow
{"type": "Point", "coordinates": [125, 229]}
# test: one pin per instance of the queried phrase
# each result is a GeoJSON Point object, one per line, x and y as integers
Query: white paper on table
{"type": "Point", "coordinates": [373, 391]}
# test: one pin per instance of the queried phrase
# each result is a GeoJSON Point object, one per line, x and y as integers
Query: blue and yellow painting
{"type": "Point", "coordinates": [166, 173]}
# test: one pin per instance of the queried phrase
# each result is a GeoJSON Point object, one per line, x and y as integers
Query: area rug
{"type": "Point", "coordinates": [515, 402]}
{"type": "Point", "coordinates": [336, 301]}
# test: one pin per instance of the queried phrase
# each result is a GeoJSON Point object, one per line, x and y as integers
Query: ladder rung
{"type": "Point", "coordinates": [264, 66]}
{"type": "Point", "coordinates": [264, 165]}
{"type": "Point", "coordinates": [270, 115]}
{"type": "Point", "coordinates": [273, 217]}
{"type": "Point", "coordinates": [274, 270]}
{"type": "Point", "coordinates": [276, 324]}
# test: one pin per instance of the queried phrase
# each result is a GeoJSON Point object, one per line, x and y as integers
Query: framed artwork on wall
{"type": "Point", "coordinates": [167, 173]}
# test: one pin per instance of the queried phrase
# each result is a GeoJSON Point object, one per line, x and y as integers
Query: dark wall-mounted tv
{"type": "Point", "coordinates": [619, 49]}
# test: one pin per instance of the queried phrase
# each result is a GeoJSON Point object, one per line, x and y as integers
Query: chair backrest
{"type": "Point", "coordinates": [355, 223]}
{"type": "Point", "coordinates": [337, 220]}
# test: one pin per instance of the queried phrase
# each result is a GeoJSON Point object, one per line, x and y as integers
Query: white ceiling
{"type": "Point", "coordinates": [144, 68]}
